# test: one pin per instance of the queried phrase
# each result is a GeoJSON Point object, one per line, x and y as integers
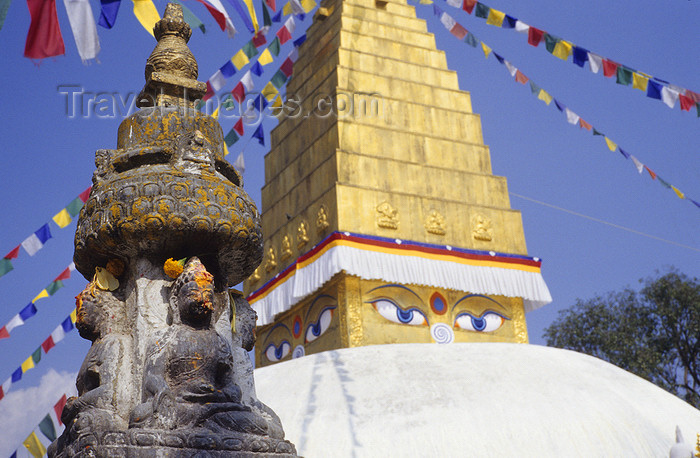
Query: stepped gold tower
{"type": "Point", "coordinates": [382, 220]}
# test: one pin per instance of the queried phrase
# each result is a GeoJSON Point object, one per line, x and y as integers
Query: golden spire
{"type": "Point", "coordinates": [171, 69]}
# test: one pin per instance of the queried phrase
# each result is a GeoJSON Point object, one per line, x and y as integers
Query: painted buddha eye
{"type": "Point", "coordinates": [314, 330]}
{"type": "Point", "coordinates": [275, 354]}
{"type": "Point", "coordinates": [488, 322]}
{"type": "Point", "coordinates": [393, 312]}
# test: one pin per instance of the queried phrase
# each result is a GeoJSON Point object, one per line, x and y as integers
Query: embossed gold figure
{"type": "Point", "coordinates": [481, 228]}
{"type": "Point", "coordinates": [435, 223]}
{"type": "Point", "coordinates": [322, 220]}
{"type": "Point", "coordinates": [286, 248]}
{"type": "Point", "coordinates": [271, 262]}
{"type": "Point", "coordinates": [387, 216]}
{"type": "Point", "coordinates": [302, 235]}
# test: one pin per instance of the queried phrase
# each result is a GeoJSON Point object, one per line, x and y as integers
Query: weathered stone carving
{"type": "Point", "coordinates": [168, 373]}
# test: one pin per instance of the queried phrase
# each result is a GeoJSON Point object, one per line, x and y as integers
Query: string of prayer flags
{"type": "Point", "coordinates": [56, 336]}
{"type": "Point", "coordinates": [44, 37]}
{"type": "Point", "coordinates": [30, 309]}
{"type": "Point", "coordinates": [571, 117]}
{"type": "Point", "coordinates": [244, 16]}
{"type": "Point", "coordinates": [82, 23]}
{"type": "Point", "coordinates": [6, 262]}
{"type": "Point", "coordinates": [218, 12]}
{"type": "Point", "coordinates": [293, 7]}
{"type": "Point", "coordinates": [146, 13]}
{"type": "Point", "coordinates": [47, 427]}
{"type": "Point", "coordinates": [36, 241]}
{"type": "Point", "coordinates": [655, 88]}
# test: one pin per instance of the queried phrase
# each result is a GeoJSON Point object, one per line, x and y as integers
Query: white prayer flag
{"type": "Point", "coordinates": [521, 27]}
{"type": "Point", "coordinates": [32, 244]}
{"type": "Point", "coordinates": [58, 334]}
{"type": "Point", "coordinates": [14, 322]}
{"type": "Point", "coordinates": [247, 81]}
{"type": "Point", "coordinates": [447, 21]}
{"type": "Point", "coordinates": [230, 29]}
{"type": "Point", "coordinates": [639, 165]}
{"type": "Point", "coordinates": [82, 23]}
{"type": "Point", "coordinates": [455, 3]}
{"type": "Point", "coordinates": [290, 24]}
{"type": "Point", "coordinates": [669, 96]}
{"type": "Point", "coordinates": [240, 163]}
{"type": "Point", "coordinates": [595, 61]}
{"type": "Point", "coordinates": [217, 80]}
{"type": "Point", "coordinates": [571, 116]}
{"type": "Point", "coordinates": [511, 69]}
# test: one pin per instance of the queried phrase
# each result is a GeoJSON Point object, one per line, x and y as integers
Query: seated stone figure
{"type": "Point", "coordinates": [100, 405]}
{"type": "Point", "coordinates": [188, 377]}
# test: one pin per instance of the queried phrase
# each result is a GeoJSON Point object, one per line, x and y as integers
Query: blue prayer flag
{"type": "Point", "coordinates": [499, 58]}
{"type": "Point", "coordinates": [108, 13]}
{"type": "Point", "coordinates": [256, 69]}
{"type": "Point", "coordinates": [580, 56]}
{"type": "Point", "coordinates": [228, 70]}
{"type": "Point", "coordinates": [559, 105]}
{"type": "Point", "coordinates": [299, 41]}
{"type": "Point", "coordinates": [67, 325]}
{"type": "Point", "coordinates": [624, 153]}
{"type": "Point", "coordinates": [509, 22]}
{"type": "Point", "coordinates": [277, 17]}
{"type": "Point", "coordinates": [17, 375]}
{"type": "Point", "coordinates": [28, 311]}
{"type": "Point", "coordinates": [43, 233]}
{"type": "Point", "coordinates": [260, 134]}
{"type": "Point", "coordinates": [243, 13]}
{"type": "Point", "coordinates": [654, 90]}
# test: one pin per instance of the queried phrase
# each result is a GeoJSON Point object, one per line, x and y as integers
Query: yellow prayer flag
{"type": "Point", "coordinates": [308, 5]}
{"type": "Point", "coordinates": [35, 447]}
{"type": "Point", "coordinates": [678, 192]}
{"type": "Point", "coordinates": [265, 58]}
{"type": "Point", "coordinates": [495, 17]}
{"type": "Point", "coordinates": [639, 81]}
{"type": "Point", "coordinates": [251, 11]}
{"type": "Point", "coordinates": [215, 114]}
{"type": "Point", "coordinates": [546, 98]}
{"type": "Point", "coordinates": [145, 11]}
{"type": "Point", "coordinates": [276, 107]}
{"type": "Point", "coordinates": [426, 2]}
{"type": "Point", "coordinates": [562, 50]}
{"type": "Point", "coordinates": [612, 146]}
{"type": "Point", "coordinates": [269, 91]}
{"type": "Point", "coordinates": [27, 364]}
{"type": "Point", "coordinates": [486, 49]}
{"type": "Point", "coordinates": [225, 149]}
{"type": "Point", "coordinates": [287, 10]}
{"type": "Point", "coordinates": [41, 295]}
{"type": "Point", "coordinates": [62, 218]}
{"type": "Point", "coordinates": [73, 315]}
{"type": "Point", "coordinates": [240, 60]}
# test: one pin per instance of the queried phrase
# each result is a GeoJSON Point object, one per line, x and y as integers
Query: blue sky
{"type": "Point", "coordinates": [48, 158]}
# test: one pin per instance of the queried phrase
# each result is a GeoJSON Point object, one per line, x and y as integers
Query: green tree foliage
{"type": "Point", "coordinates": [654, 333]}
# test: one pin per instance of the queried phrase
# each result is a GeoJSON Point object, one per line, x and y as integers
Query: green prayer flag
{"type": "Point", "coordinates": [231, 137]}
{"type": "Point", "coordinates": [74, 207]}
{"type": "Point", "coordinates": [250, 50]}
{"type": "Point", "coordinates": [550, 42]}
{"type": "Point", "coordinates": [482, 10]}
{"type": "Point", "coordinates": [274, 47]}
{"type": "Point", "coordinates": [53, 287]}
{"type": "Point", "coordinates": [595, 132]}
{"type": "Point", "coordinates": [267, 22]}
{"type": "Point", "coordinates": [697, 105]}
{"type": "Point", "coordinates": [228, 103]}
{"type": "Point", "coordinates": [47, 428]}
{"type": "Point", "coordinates": [624, 75]}
{"type": "Point", "coordinates": [36, 356]}
{"type": "Point", "coordinates": [200, 103]}
{"type": "Point", "coordinates": [190, 18]}
{"type": "Point", "coordinates": [5, 266]}
{"type": "Point", "coordinates": [279, 80]}
{"type": "Point", "coordinates": [4, 6]}
{"type": "Point", "coordinates": [663, 182]}
{"type": "Point", "coordinates": [471, 40]}
{"type": "Point", "coordinates": [534, 88]}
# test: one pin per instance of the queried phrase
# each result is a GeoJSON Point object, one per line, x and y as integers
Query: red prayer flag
{"type": "Point", "coordinates": [693, 95]}
{"type": "Point", "coordinates": [459, 31]}
{"type": "Point", "coordinates": [3, 333]}
{"type": "Point", "coordinates": [210, 92]}
{"type": "Point", "coordinates": [686, 102]}
{"type": "Point", "coordinates": [44, 37]}
{"type": "Point", "coordinates": [48, 344]}
{"type": "Point", "coordinates": [609, 68]}
{"type": "Point", "coordinates": [65, 275]}
{"type": "Point", "coordinates": [584, 124]}
{"type": "Point", "coordinates": [284, 35]}
{"type": "Point", "coordinates": [651, 173]}
{"type": "Point", "coordinates": [58, 408]}
{"type": "Point", "coordinates": [2, 393]}
{"type": "Point", "coordinates": [218, 15]}
{"type": "Point", "coordinates": [469, 5]}
{"type": "Point", "coordinates": [271, 4]}
{"type": "Point", "coordinates": [238, 127]}
{"type": "Point", "coordinates": [259, 40]}
{"type": "Point", "coordinates": [85, 194]}
{"type": "Point", "coordinates": [13, 254]}
{"type": "Point", "coordinates": [238, 92]}
{"type": "Point", "coordinates": [534, 36]}
{"type": "Point", "coordinates": [520, 78]}
{"type": "Point", "coordinates": [287, 67]}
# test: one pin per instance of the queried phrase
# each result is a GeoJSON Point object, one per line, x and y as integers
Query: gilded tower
{"type": "Point", "coordinates": [382, 220]}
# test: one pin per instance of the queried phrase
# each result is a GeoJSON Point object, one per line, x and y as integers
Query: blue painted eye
{"type": "Point", "coordinates": [314, 330]}
{"type": "Point", "coordinates": [488, 322]}
{"type": "Point", "coordinates": [392, 312]}
{"type": "Point", "coordinates": [277, 353]}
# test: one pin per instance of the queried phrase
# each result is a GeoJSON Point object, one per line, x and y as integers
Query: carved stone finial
{"type": "Point", "coordinates": [171, 69]}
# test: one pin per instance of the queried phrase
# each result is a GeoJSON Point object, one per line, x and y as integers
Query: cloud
{"type": "Point", "coordinates": [22, 410]}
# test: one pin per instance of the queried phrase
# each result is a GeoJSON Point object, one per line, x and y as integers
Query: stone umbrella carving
{"type": "Point", "coordinates": [168, 372]}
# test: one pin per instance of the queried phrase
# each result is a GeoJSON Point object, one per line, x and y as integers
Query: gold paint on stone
{"type": "Point", "coordinates": [435, 223]}
{"type": "Point", "coordinates": [271, 262]}
{"type": "Point", "coordinates": [387, 216]}
{"type": "Point", "coordinates": [322, 220]}
{"type": "Point", "coordinates": [302, 235]}
{"type": "Point", "coordinates": [286, 248]}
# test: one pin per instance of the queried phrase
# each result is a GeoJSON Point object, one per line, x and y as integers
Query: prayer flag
{"type": "Point", "coordinates": [663, 182]}
{"type": "Point", "coordinates": [5, 266]}
{"type": "Point", "coordinates": [27, 364]}
{"type": "Point", "coordinates": [495, 17]}
{"type": "Point", "coordinates": [47, 428]}
{"type": "Point", "coordinates": [550, 42]}
{"type": "Point", "coordinates": [654, 90]}
{"type": "Point", "coordinates": [669, 96]}
{"type": "Point", "coordinates": [272, 4]}
{"type": "Point", "coordinates": [580, 56]}
{"type": "Point", "coordinates": [471, 40]}
{"type": "Point", "coordinates": [146, 13]}
{"type": "Point", "coordinates": [459, 31]}
{"type": "Point", "coordinates": [28, 311]}
{"type": "Point", "coordinates": [36, 241]}
{"type": "Point", "coordinates": [41, 295]}
{"type": "Point", "coordinates": [217, 10]}
{"type": "Point", "coordinates": [67, 324]}
{"type": "Point", "coordinates": [678, 192]}
{"type": "Point", "coordinates": [534, 36]}
{"type": "Point", "coordinates": [238, 127]}
{"type": "Point", "coordinates": [243, 15]}
{"type": "Point", "coordinates": [82, 23]}
{"type": "Point", "coordinates": [36, 356]}
{"type": "Point", "coordinates": [511, 69]}
{"type": "Point", "coordinates": [210, 92]}
{"type": "Point", "coordinates": [265, 58]}
{"type": "Point", "coordinates": [56, 285]}
{"type": "Point", "coordinates": [559, 105]}
{"type": "Point", "coordinates": [85, 195]}
{"type": "Point", "coordinates": [447, 21]}
{"type": "Point", "coordinates": [44, 37]}
{"type": "Point", "coordinates": [253, 16]}
{"type": "Point", "coordinates": [48, 344]}
{"type": "Point", "coordinates": [612, 146]}
{"type": "Point", "coordinates": [299, 41]}
{"type": "Point", "coordinates": [584, 124]}
{"type": "Point", "coordinates": [686, 102]}
{"type": "Point", "coordinates": [2, 395]}
{"type": "Point", "coordinates": [287, 67]}
{"type": "Point", "coordinates": [228, 70]}
{"type": "Point", "coordinates": [546, 98]}
{"type": "Point", "coordinates": [108, 13]}
{"type": "Point", "coordinates": [259, 39]}
{"type": "Point", "coordinates": [35, 447]}
{"type": "Point", "coordinates": [73, 316]}
{"type": "Point", "coordinates": [62, 218]}
{"type": "Point", "coordinates": [624, 153]}
{"type": "Point", "coordinates": [521, 27]}
{"type": "Point", "coordinates": [231, 138]}
{"type": "Point", "coordinates": [274, 47]}
{"type": "Point", "coordinates": [240, 60]}
{"type": "Point", "coordinates": [624, 75]}
{"type": "Point", "coordinates": [58, 408]}
{"type": "Point", "coordinates": [486, 49]}
{"type": "Point", "coordinates": [3, 333]}
{"type": "Point", "coordinates": [256, 69]}
{"type": "Point", "coordinates": [190, 17]}
{"type": "Point", "coordinates": [284, 35]}
{"type": "Point", "coordinates": [277, 17]}
{"type": "Point", "coordinates": [639, 165]}
{"type": "Point", "coordinates": [509, 22]}
{"type": "Point", "coordinates": [13, 253]}
{"type": "Point", "coordinates": [240, 163]}
{"type": "Point", "coordinates": [499, 58]}
{"type": "Point", "coordinates": [247, 81]}
{"type": "Point", "coordinates": [562, 50]}
{"type": "Point", "coordinates": [468, 5]}
{"type": "Point", "coordinates": [520, 78]}
{"type": "Point", "coordinates": [249, 50]}
{"type": "Point", "coordinates": [259, 134]}
{"type": "Point", "coordinates": [217, 80]}
{"type": "Point", "coordinates": [269, 91]}
{"type": "Point", "coordinates": [267, 20]}
{"type": "Point", "coordinates": [293, 7]}
{"type": "Point", "coordinates": [595, 61]}
{"type": "Point", "coordinates": [58, 334]}
{"type": "Point", "coordinates": [454, 3]}
{"type": "Point", "coordinates": [652, 174]}
{"type": "Point", "coordinates": [14, 322]}
{"type": "Point", "coordinates": [482, 10]}
{"type": "Point", "coordinates": [279, 79]}
{"type": "Point", "coordinates": [697, 204]}
{"type": "Point", "coordinates": [535, 89]}
{"type": "Point", "coordinates": [639, 81]}
{"type": "Point", "coordinates": [17, 375]}
{"type": "Point", "coordinates": [290, 25]}
{"type": "Point", "coordinates": [571, 117]}
{"type": "Point", "coordinates": [609, 68]}
{"type": "Point", "coordinates": [238, 93]}
{"type": "Point", "coordinates": [308, 5]}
